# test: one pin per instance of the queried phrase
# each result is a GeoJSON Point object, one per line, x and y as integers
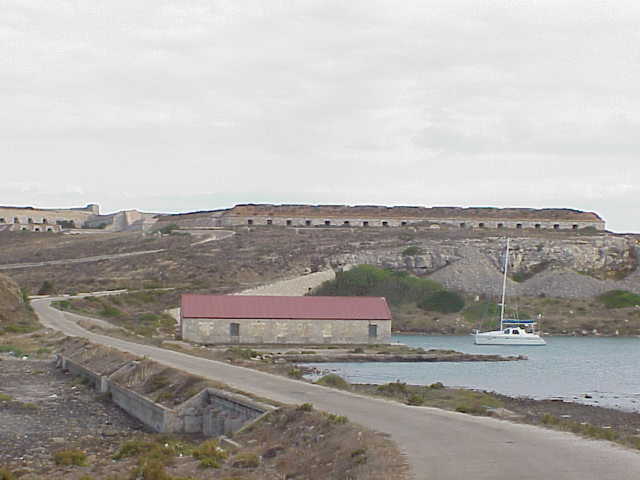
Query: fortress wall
{"type": "Point", "coordinates": [490, 223]}
{"type": "Point", "coordinates": [46, 216]}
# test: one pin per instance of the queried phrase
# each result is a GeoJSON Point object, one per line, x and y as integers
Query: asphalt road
{"type": "Point", "coordinates": [439, 445]}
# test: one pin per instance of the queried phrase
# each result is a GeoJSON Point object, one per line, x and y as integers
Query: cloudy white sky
{"type": "Point", "coordinates": [188, 105]}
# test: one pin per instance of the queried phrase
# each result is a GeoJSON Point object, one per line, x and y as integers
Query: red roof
{"type": "Point", "coordinates": [297, 308]}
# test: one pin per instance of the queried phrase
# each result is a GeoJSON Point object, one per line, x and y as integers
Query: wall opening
{"type": "Point", "coordinates": [327, 222]}
{"type": "Point", "coordinates": [250, 221]}
{"type": "Point", "coordinates": [556, 227]}
{"type": "Point", "coordinates": [463, 225]}
{"type": "Point", "coordinates": [234, 329]}
{"type": "Point", "coordinates": [307, 223]}
{"type": "Point", "coordinates": [16, 220]}
{"type": "Point", "coordinates": [373, 331]}
{"type": "Point", "coordinates": [518, 226]}
{"type": "Point", "coordinates": [289, 222]}
{"type": "Point", "coordinates": [49, 229]}
{"type": "Point", "coordinates": [385, 224]}
{"type": "Point", "coordinates": [574, 227]}
{"type": "Point", "coordinates": [481, 225]}
{"type": "Point", "coordinates": [1, 220]}
{"type": "Point", "coordinates": [404, 223]}
{"type": "Point", "coordinates": [36, 229]}
{"type": "Point", "coordinates": [365, 224]}
{"type": "Point", "coordinates": [44, 220]}
{"type": "Point", "coordinates": [501, 225]}
{"type": "Point", "coordinates": [537, 226]}
{"type": "Point", "coordinates": [347, 223]}
{"type": "Point", "coordinates": [269, 222]}
{"type": "Point", "coordinates": [30, 220]}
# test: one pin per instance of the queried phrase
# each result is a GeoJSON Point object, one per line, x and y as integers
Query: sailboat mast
{"type": "Point", "coordinates": [504, 283]}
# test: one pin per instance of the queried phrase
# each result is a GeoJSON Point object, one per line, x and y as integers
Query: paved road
{"type": "Point", "coordinates": [440, 445]}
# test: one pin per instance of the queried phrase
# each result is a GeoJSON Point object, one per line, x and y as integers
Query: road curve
{"type": "Point", "coordinates": [439, 445]}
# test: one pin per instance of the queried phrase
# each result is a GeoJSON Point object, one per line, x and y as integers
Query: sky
{"type": "Point", "coordinates": [170, 106]}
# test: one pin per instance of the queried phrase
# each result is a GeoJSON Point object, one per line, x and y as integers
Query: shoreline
{"type": "Point", "coordinates": [438, 334]}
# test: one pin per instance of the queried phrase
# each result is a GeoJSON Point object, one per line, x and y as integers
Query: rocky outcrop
{"type": "Point", "coordinates": [568, 267]}
{"type": "Point", "coordinates": [12, 305]}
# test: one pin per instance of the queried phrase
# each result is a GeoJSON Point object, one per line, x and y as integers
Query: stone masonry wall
{"type": "Point", "coordinates": [261, 331]}
{"type": "Point", "coordinates": [26, 216]}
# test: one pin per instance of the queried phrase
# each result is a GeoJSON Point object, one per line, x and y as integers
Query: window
{"type": "Point", "coordinates": [30, 220]}
{"type": "Point", "coordinates": [556, 227]}
{"type": "Point", "coordinates": [506, 331]}
{"type": "Point", "coordinates": [518, 226]}
{"type": "Point", "coordinates": [347, 223]}
{"type": "Point", "coordinates": [16, 220]}
{"type": "Point", "coordinates": [403, 223]}
{"type": "Point", "coordinates": [463, 225]}
{"type": "Point", "coordinates": [501, 225]}
{"type": "Point", "coordinates": [307, 223]}
{"type": "Point", "coordinates": [269, 222]}
{"type": "Point", "coordinates": [385, 224]}
{"type": "Point", "coordinates": [365, 224]}
{"type": "Point", "coordinates": [373, 331]}
{"type": "Point", "coordinates": [250, 222]}
{"type": "Point", "coordinates": [36, 229]}
{"type": "Point", "coordinates": [537, 226]}
{"type": "Point", "coordinates": [327, 222]}
{"type": "Point", "coordinates": [481, 225]}
{"type": "Point", "coordinates": [234, 329]}
{"type": "Point", "coordinates": [515, 331]}
{"type": "Point", "coordinates": [49, 229]}
{"type": "Point", "coordinates": [289, 222]}
{"type": "Point", "coordinates": [1, 220]}
{"type": "Point", "coordinates": [574, 227]}
{"type": "Point", "coordinates": [44, 220]}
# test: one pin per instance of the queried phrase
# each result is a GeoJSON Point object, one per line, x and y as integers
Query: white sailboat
{"type": "Point", "coordinates": [512, 331]}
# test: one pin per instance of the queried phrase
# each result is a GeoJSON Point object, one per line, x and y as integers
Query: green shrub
{"type": "Point", "coordinates": [6, 474]}
{"type": "Point", "coordinates": [4, 397]}
{"type": "Point", "coordinates": [210, 454]}
{"type": "Point", "coordinates": [337, 419]}
{"type": "Point", "coordinates": [411, 251]}
{"type": "Point", "coordinates": [246, 460]}
{"type": "Point", "coordinates": [366, 280]}
{"type": "Point", "coordinates": [437, 386]}
{"type": "Point", "coordinates": [334, 381]}
{"type": "Point", "coordinates": [415, 400]}
{"type": "Point", "coordinates": [442, 301]}
{"type": "Point", "coordinates": [305, 407]}
{"type": "Point", "coordinates": [294, 372]}
{"type": "Point", "coordinates": [394, 389]}
{"type": "Point", "coordinates": [70, 457]}
{"type": "Point", "coordinates": [111, 311]}
{"type": "Point", "coordinates": [619, 299]}
{"type": "Point", "coordinates": [46, 288]}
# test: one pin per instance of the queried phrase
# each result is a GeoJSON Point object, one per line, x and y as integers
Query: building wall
{"type": "Point", "coordinates": [26, 216]}
{"type": "Point", "coordinates": [234, 220]}
{"type": "Point", "coordinates": [261, 331]}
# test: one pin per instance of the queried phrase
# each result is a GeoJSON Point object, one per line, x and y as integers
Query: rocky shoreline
{"type": "Point", "coordinates": [435, 356]}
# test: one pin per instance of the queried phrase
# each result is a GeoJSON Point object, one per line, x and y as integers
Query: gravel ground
{"type": "Point", "coordinates": [49, 411]}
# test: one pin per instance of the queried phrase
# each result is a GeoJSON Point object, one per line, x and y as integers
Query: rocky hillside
{"type": "Point", "coordinates": [15, 315]}
{"type": "Point", "coordinates": [570, 266]}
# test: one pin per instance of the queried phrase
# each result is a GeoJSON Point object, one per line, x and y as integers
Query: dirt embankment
{"type": "Point", "coordinates": [15, 314]}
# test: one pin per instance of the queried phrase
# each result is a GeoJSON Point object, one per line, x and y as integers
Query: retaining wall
{"type": "Point", "coordinates": [211, 411]}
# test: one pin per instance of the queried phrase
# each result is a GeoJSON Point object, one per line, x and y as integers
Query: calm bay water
{"type": "Point", "coordinates": [607, 369]}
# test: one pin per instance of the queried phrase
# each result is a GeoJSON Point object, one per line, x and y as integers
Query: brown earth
{"type": "Point", "coordinates": [15, 314]}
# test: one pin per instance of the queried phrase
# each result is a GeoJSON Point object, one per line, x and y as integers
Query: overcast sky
{"type": "Point", "coordinates": [191, 105]}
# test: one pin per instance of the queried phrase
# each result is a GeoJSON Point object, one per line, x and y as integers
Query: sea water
{"type": "Point", "coordinates": [592, 370]}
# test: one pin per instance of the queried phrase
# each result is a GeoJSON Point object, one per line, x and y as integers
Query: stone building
{"type": "Point", "coordinates": [236, 319]}
{"type": "Point", "coordinates": [380, 216]}
{"type": "Point", "coordinates": [46, 219]}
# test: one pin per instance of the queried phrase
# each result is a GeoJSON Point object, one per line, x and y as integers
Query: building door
{"type": "Point", "coordinates": [373, 331]}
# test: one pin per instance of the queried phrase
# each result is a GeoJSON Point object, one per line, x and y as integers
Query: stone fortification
{"type": "Point", "coordinates": [46, 219]}
{"type": "Point", "coordinates": [380, 216]}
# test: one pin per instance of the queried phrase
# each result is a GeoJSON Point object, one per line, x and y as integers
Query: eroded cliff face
{"type": "Point", "coordinates": [12, 307]}
{"type": "Point", "coordinates": [570, 267]}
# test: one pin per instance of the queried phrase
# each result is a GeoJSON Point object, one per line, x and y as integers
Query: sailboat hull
{"type": "Point", "coordinates": [500, 338]}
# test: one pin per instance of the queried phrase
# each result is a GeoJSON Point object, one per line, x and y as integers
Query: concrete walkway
{"type": "Point", "coordinates": [439, 445]}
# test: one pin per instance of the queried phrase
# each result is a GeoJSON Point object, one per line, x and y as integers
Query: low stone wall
{"type": "Point", "coordinates": [211, 411]}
